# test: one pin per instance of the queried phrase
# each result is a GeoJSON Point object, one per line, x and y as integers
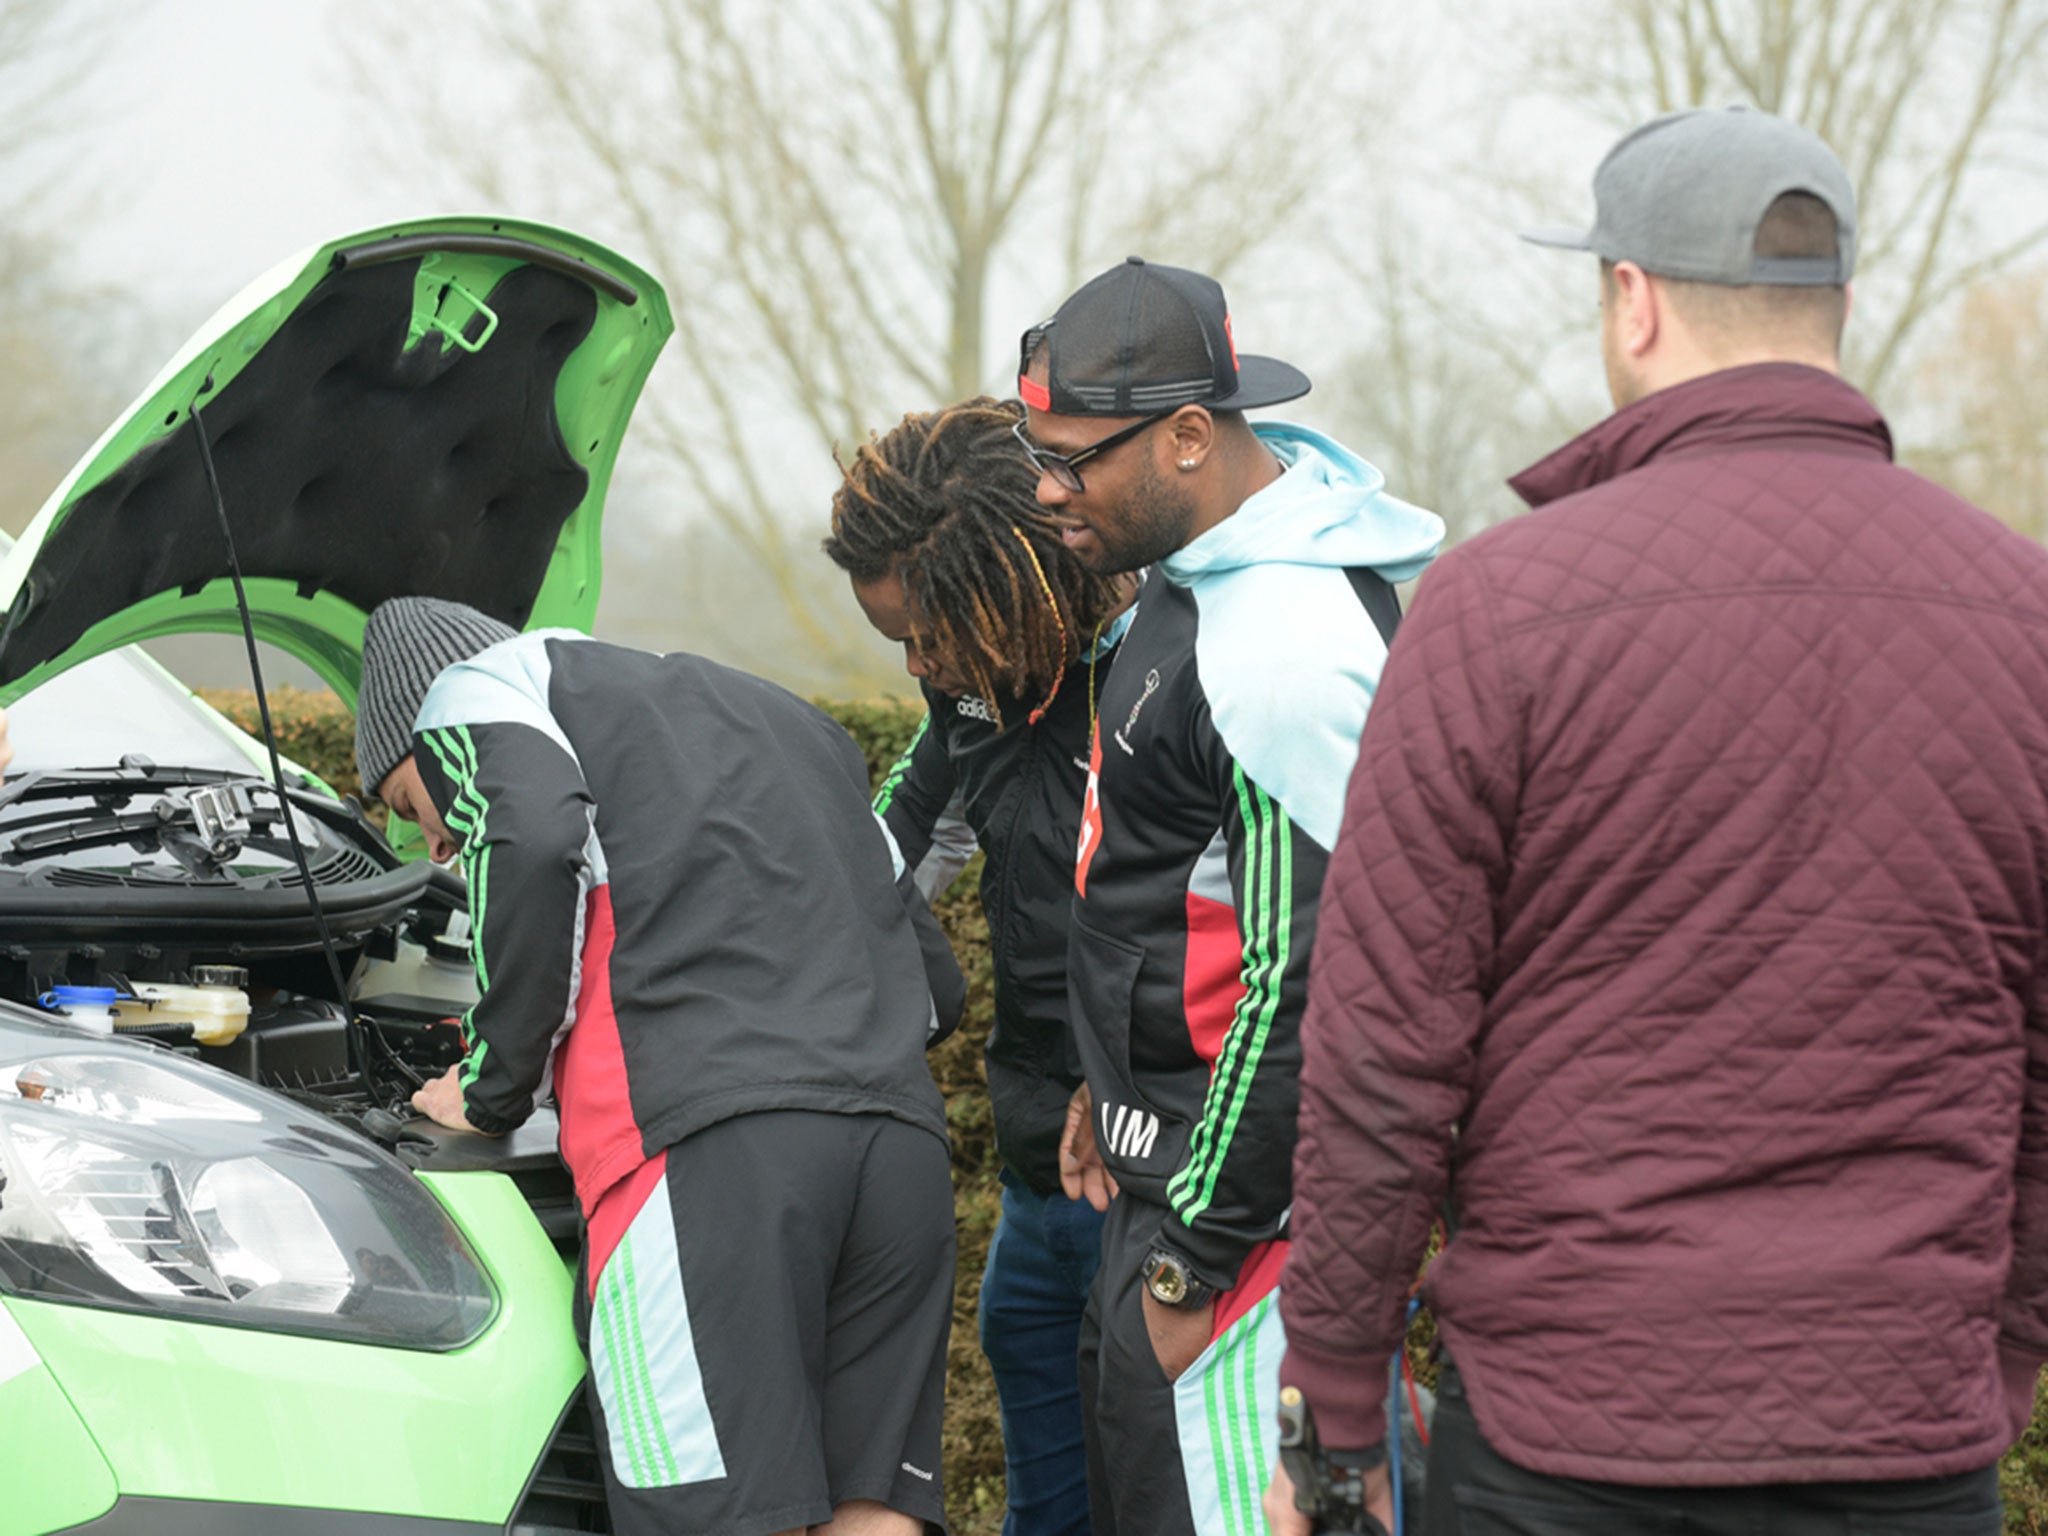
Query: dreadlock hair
{"type": "Point", "coordinates": [948, 501]}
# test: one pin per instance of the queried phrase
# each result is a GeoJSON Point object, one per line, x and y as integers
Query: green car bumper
{"type": "Point", "coordinates": [117, 1422]}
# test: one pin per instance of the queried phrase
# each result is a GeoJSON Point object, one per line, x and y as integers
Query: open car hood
{"type": "Point", "coordinates": [428, 408]}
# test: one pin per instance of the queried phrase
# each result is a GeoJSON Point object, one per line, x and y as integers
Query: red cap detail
{"type": "Point", "coordinates": [1231, 339]}
{"type": "Point", "coordinates": [1037, 396]}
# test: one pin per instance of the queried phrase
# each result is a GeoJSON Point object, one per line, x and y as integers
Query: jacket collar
{"type": "Point", "coordinates": [1762, 403]}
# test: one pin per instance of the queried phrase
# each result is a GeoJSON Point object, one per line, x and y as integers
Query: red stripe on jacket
{"type": "Point", "coordinates": [1212, 984]}
{"type": "Point", "coordinates": [614, 1213]}
{"type": "Point", "coordinates": [601, 1141]}
{"type": "Point", "coordinates": [1255, 1282]}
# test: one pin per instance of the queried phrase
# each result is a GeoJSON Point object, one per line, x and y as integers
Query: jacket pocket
{"type": "Point", "coordinates": [1141, 1146]}
{"type": "Point", "coordinates": [1030, 1109]}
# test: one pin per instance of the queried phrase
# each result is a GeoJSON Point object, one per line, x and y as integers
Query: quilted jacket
{"type": "Point", "coordinates": [1686, 930]}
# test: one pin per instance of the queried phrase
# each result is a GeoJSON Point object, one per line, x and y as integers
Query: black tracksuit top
{"type": "Point", "coordinates": [1017, 793]}
{"type": "Point", "coordinates": [681, 907]}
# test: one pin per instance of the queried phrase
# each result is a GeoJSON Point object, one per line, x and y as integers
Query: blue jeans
{"type": "Point", "coordinates": [1040, 1267]}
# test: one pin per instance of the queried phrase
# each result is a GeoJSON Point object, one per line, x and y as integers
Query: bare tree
{"type": "Point", "coordinates": [1478, 353]}
{"type": "Point", "coordinates": [46, 53]}
{"type": "Point", "coordinates": [1984, 388]}
{"type": "Point", "coordinates": [856, 204]}
{"type": "Point", "coordinates": [50, 395]}
{"type": "Point", "coordinates": [1445, 397]}
{"type": "Point", "coordinates": [1935, 106]}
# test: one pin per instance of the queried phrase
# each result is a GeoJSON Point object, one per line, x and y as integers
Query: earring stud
{"type": "Point", "coordinates": [1187, 463]}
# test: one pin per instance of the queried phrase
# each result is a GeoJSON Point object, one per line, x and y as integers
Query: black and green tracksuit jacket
{"type": "Point", "coordinates": [682, 909]}
{"type": "Point", "coordinates": [1016, 793]}
{"type": "Point", "coordinates": [1221, 753]}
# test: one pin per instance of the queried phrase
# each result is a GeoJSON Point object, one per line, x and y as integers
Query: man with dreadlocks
{"type": "Point", "coordinates": [1011, 639]}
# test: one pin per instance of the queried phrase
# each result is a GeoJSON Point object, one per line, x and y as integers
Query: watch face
{"type": "Point", "coordinates": [1169, 1284]}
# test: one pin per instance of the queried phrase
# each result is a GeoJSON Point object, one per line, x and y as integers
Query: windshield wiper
{"type": "Point", "coordinates": [220, 816]}
{"type": "Point", "coordinates": [99, 832]}
{"type": "Point", "coordinates": [135, 776]}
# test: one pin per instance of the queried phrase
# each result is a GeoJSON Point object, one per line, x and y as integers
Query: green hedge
{"type": "Point", "coordinates": [314, 730]}
{"type": "Point", "coordinates": [974, 1431]}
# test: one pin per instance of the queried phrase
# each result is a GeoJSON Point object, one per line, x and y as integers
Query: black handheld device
{"type": "Point", "coordinates": [1331, 1494]}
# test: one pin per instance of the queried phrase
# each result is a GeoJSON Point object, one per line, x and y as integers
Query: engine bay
{"type": "Point", "coordinates": [148, 887]}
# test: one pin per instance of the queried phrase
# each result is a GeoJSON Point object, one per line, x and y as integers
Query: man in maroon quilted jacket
{"type": "Point", "coordinates": [1686, 937]}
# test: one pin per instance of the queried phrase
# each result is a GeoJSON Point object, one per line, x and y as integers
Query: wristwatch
{"type": "Point", "coordinates": [1168, 1279]}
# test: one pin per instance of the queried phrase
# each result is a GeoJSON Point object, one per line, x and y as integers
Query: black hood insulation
{"type": "Point", "coordinates": [348, 464]}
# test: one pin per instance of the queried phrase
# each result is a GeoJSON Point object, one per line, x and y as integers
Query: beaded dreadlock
{"type": "Point", "coordinates": [949, 501]}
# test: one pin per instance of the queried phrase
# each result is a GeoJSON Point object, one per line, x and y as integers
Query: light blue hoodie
{"type": "Point", "coordinates": [1288, 656]}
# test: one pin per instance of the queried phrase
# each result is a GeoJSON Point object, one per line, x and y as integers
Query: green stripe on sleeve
{"type": "Point", "coordinates": [468, 811]}
{"type": "Point", "coordinates": [444, 755]}
{"type": "Point", "coordinates": [1279, 906]}
{"type": "Point", "coordinates": [478, 873]}
{"type": "Point", "coordinates": [887, 793]}
{"type": "Point", "coordinates": [1186, 1182]}
{"type": "Point", "coordinates": [455, 750]}
{"type": "Point", "coordinates": [1267, 843]}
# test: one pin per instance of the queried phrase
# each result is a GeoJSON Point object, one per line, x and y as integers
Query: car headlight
{"type": "Point", "coordinates": [135, 1179]}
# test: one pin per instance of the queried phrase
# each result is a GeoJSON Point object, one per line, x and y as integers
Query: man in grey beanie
{"type": "Point", "coordinates": [689, 929]}
{"type": "Point", "coordinates": [406, 645]}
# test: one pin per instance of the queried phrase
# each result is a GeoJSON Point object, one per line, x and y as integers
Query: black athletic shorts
{"type": "Point", "coordinates": [767, 1330]}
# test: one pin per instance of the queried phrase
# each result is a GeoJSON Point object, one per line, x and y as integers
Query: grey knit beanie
{"type": "Point", "coordinates": [408, 642]}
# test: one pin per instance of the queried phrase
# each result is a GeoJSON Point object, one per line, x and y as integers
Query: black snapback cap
{"type": "Point", "coordinates": [1142, 339]}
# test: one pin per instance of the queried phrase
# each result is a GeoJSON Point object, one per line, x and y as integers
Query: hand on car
{"type": "Point", "coordinates": [1082, 1174]}
{"type": "Point", "coordinates": [6, 747]}
{"type": "Point", "coordinates": [440, 1100]}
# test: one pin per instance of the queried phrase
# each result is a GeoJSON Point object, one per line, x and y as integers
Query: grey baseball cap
{"type": "Point", "coordinates": [1682, 196]}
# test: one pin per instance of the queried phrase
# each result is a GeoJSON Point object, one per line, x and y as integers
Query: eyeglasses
{"type": "Point", "coordinates": [1065, 468]}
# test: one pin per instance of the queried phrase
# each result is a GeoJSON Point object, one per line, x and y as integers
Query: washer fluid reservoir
{"type": "Point", "coordinates": [84, 1007]}
{"type": "Point", "coordinates": [216, 1005]}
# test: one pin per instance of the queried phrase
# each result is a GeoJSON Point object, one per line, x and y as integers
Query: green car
{"type": "Point", "coordinates": [242, 1289]}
